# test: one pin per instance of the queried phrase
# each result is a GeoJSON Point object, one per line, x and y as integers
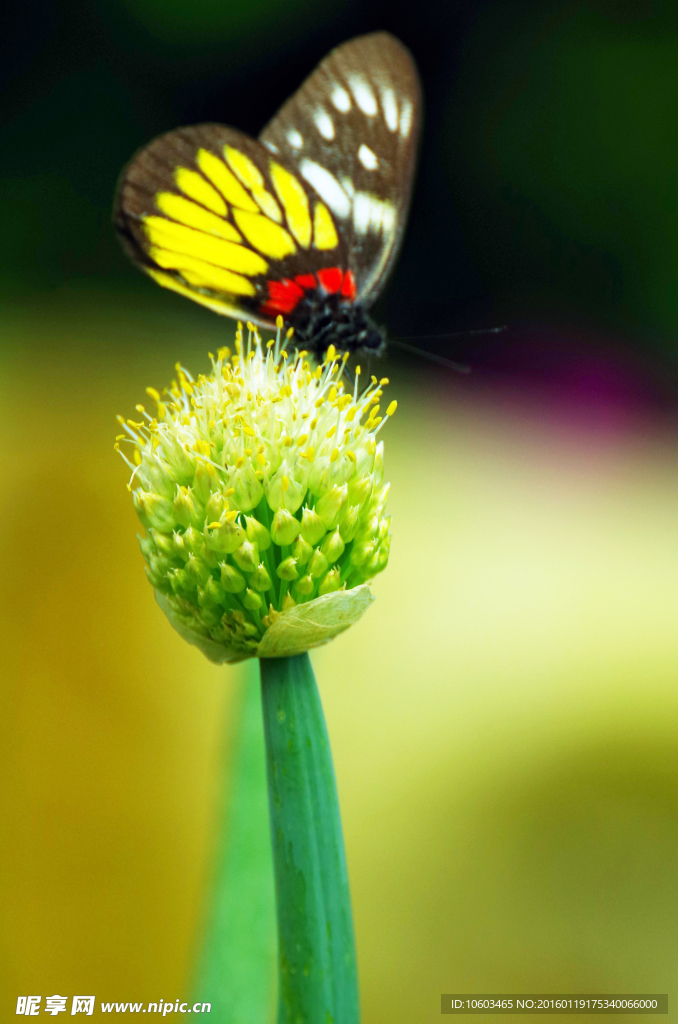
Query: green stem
{"type": "Point", "coordinates": [235, 970]}
{"type": "Point", "coordinates": [318, 981]}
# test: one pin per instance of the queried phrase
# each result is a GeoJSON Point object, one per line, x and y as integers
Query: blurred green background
{"type": "Point", "coordinates": [504, 720]}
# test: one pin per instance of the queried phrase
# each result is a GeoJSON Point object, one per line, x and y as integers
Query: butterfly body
{"type": "Point", "coordinates": [304, 222]}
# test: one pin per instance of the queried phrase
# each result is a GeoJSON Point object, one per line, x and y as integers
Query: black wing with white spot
{"type": "Point", "coordinates": [351, 131]}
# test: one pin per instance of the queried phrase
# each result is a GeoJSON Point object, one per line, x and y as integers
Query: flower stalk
{"type": "Point", "coordinates": [317, 973]}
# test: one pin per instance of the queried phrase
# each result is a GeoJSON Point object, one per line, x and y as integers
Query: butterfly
{"type": "Point", "coordinates": [303, 223]}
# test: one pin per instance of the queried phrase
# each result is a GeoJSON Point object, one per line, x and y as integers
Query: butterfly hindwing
{"type": "Point", "coordinates": [213, 214]}
{"type": "Point", "coordinates": [351, 131]}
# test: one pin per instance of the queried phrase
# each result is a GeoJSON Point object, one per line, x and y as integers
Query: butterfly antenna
{"type": "Point", "coordinates": [454, 334]}
{"type": "Point", "coordinates": [459, 367]}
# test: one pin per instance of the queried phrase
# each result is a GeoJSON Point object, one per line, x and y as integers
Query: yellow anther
{"type": "Point", "coordinates": [214, 526]}
{"type": "Point", "coordinates": [287, 441]}
{"type": "Point", "coordinates": [308, 454]}
{"type": "Point", "coordinates": [279, 322]}
{"type": "Point", "coordinates": [139, 408]}
{"type": "Point", "coordinates": [335, 455]}
{"type": "Point", "coordinates": [285, 482]}
{"type": "Point", "coordinates": [319, 402]}
{"type": "Point", "coordinates": [344, 401]}
{"type": "Point", "coordinates": [248, 452]}
{"type": "Point", "coordinates": [331, 353]}
{"type": "Point", "coordinates": [155, 395]}
{"type": "Point", "coordinates": [383, 381]}
{"type": "Point", "coordinates": [333, 393]}
{"type": "Point", "coordinates": [250, 327]}
{"type": "Point", "coordinates": [261, 459]}
{"type": "Point", "coordinates": [239, 463]}
{"type": "Point", "coordinates": [229, 492]}
{"type": "Point", "coordinates": [302, 440]}
{"type": "Point", "coordinates": [231, 516]}
{"type": "Point", "coordinates": [350, 455]}
{"type": "Point", "coordinates": [374, 379]}
{"type": "Point", "coordinates": [392, 408]}
{"type": "Point", "coordinates": [248, 430]}
{"type": "Point", "coordinates": [284, 354]}
{"type": "Point", "coordinates": [271, 343]}
{"type": "Point", "coordinates": [331, 431]}
{"type": "Point", "coordinates": [358, 371]}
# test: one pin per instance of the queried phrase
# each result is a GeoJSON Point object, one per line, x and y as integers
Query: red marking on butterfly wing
{"type": "Point", "coordinates": [307, 281]}
{"type": "Point", "coordinates": [348, 288]}
{"type": "Point", "coordinates": [283, 297]}
{"type": "Point", "coordinates": [331, 279]}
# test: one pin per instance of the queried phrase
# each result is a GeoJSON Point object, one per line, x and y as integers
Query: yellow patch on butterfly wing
{"type": "Point", "coordinates": [187, 212]}
{"type": "Point", "coordinates": [216, 170]}
{"type": "Point", "coordinates": [253, 179]}
{"type": "Point", "coordinates": [295, 202]}
{"type": "Point", "coordinates": [324, 232]}
{"type": "Point", "coordinates": [216, 305]}
{"type": "Point", "coordinates": [264, 235]}
{"type": "Point", "coordinates": [195, 187]}
{"type": "Point", "coordinates": [201, 274]}
{"type": "Point", "coordinates": [181, 239]}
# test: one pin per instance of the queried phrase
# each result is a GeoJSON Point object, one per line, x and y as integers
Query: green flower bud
{"type": "Point", "coordinates": [232, 581]}
{"type": "Point", "coordinates": [330, 505]}
{"type": "Point", "coordinates": [349, 523]}
{"type": "Point", "coordinates": [257, 533]}
{"type": "Point", "coordinates": [312, 526]}
{"type": "Point", "coordinates": [318, 565]}
{"type": "Point", "coordinates": [247, 489]}
{"type": "Point", "coordinates": [193, 541]}
{"type": "Point", "coordinates": [302, 551]}
{"type": "Point", "coordinates": [215, 507]}
{"type": "Point", "coordinates": [163, 541]}
{"type": "Point", "coordinates": [224, 538]}
{"type": "Point", "coordinates": [252, 600]}
{"type": "Point", "coordinates": [359, 490]}
{"type": "Point", "coordinates": [154, 511]}
{"type": "Point", "coordinates": [246, 557]}
{"type": "Point", "coordinates": [186, 509]}
{"type": "Point", "coordinates": [333, 546]}
{"type": "Point", "coordinates": [287, 570]}
{"type": "Point", "coordinates": [288, 602]}
{"type": "Point", "coordinates": [181, 583]}
{"type": "Point", "coordinates": [196, 569]}
{"type": "Point", "coordinates": [260, 579]}
{"type": "Point", "coordinates": [362, 551]}
{"type": "Point", "coordinates": [304, 586]}
{"type": "Point", "coordinates": [287, 488]}
{"type": "Point", "coordinates": [159, 564]}
{"type": "Point", "coordinates": [205, 481]}
{"type": "Point", "coordinates": [330, 583]}
{"type": "Point", "coordinates": [284, 528]}
{"type": "Point", "coordinates": [212, 592]}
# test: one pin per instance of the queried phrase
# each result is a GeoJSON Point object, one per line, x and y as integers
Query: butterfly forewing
{"type": "Point", "coordinates": [351, 130]}
{"type": "Point", "coordinates": [212, 213]}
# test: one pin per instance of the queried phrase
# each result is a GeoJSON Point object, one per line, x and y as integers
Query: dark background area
{"type": "Point", "coordinates": [547, 192]}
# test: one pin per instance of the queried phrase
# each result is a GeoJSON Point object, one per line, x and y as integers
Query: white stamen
{"type": "Point", "coordinates": [327, 187]}
{"type": "Point", "coordinates": [367, 158]}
